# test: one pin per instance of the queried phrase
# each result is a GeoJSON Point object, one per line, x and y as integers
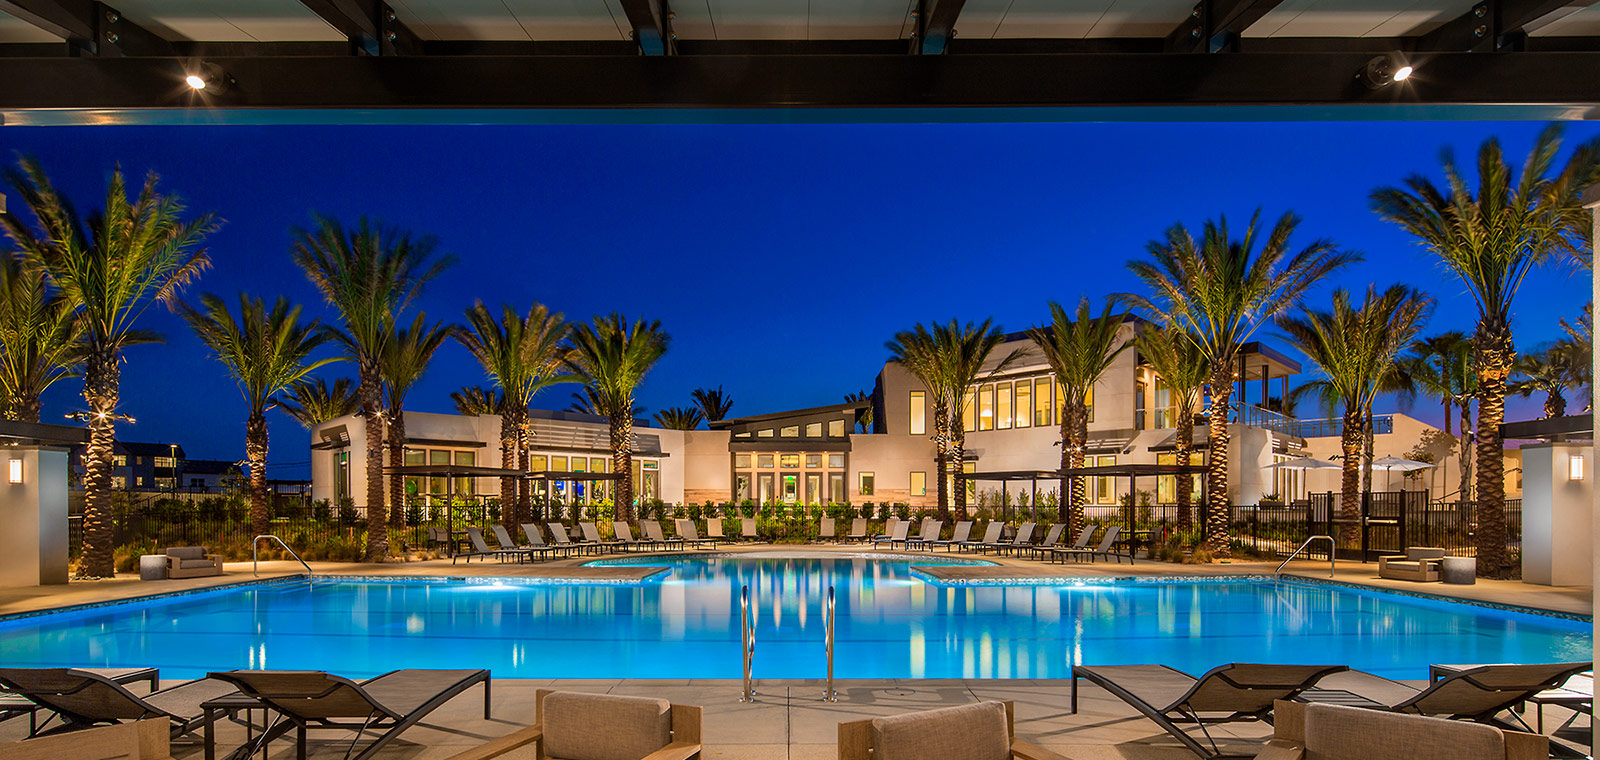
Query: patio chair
{"type": "Point", "coordinates": [1420, 563]}
{"type": "Point", "coordinates": [1478, 693]}
{"type": "Point", "coordinates": [1043, 551]}
{"type": "Point", "coordinates": [689, 535]}
{"type": "Point", "coordinates": [192, 562]}
{"type": "Point", "coordinates": [565, 725]}
{"type": "Point", "coordinates": [1225, 694]}
{"type": "Point", "coordinates": [1335, 732]}
{"type": "Point", "coordinates": [931, 529]}
{"type": "Point", "coordinates": [1107, 541]}
{"type": "Point", "coordinates": [858, 531]}
{"type": "Point", "coordinates": [138, 740]}
{"type": "Point", "coordinates": [591, 535]}
{"type": "Point", "coordinates": [503, 537]}
{"type": "Point", "coordinates": [87, 698]}
{"type": "Point", "coordinates": [991, 537]}
{"type": "Point", "coordinates": [480, 548]}
{"type": "Point", "coordinates": [888, 529]}
{"type": "Point", "coordinates": [963, 531]}
{"type": "Point", "coordinates": [982, 731]}
{"type": "Point", "coordinates": [14, 705]}
{"type": "Point", "coordinates": [558, 534]}
{"type": "Point", "coordinates": [1051, 538]}
{"type": "Point", "coordinates": [536, 540]}
{"type": "Point", "coordinates": [898, 535]}
{"type": "Point", "coordinates": [624, 533]}
{"type": "Point", "coordinates": [439, 538]}
{"type": "Point", "coordinates": [826, 530]}
{"type": "Point", "coordinates": [747, 529]}
{"type": "Point", "coordinates": [385, 705]}
{"type": "Point", "coordinates": [1023, 538]}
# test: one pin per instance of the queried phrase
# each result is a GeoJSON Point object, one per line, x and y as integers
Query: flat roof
{"type": "Point", "coordinates": [1110, 470]}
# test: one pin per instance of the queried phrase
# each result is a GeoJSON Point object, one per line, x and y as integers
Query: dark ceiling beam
{"type": "Point", "coordinates": [935, 25]}
{"type": "Point", "coordinates": [1215, 25]}
{"type": "Point", "coordinates": [1567, 81]}
{"type": "Point", "coordinates": [90, 28]}
{"type": "Point", "coordinates": [652, 26]}
{"type": "Point", "coordinates": [371, 26]}
{"type": "Point", "coordinates": [1495, 25]}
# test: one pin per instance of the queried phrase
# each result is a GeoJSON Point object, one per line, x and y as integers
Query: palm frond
{"type": "Point", "coordinates": [713, 403]}
{"type": "Point", "coordinates": [315, 402]}
{"type": "Point", "coordinates": [264, 350]}
{"type": "Point", "coordinates": [679, 418]}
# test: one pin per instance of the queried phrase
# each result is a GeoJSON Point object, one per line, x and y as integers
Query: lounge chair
{"type": "Point", "coordinates": [1226, 693]}
{"type": "Point", "coordinates": [688, 535]}
{"type": "Point", "coordinates": [979, 730]}
{"type": "Point", "coordinates": [87, 698]}
{"type": "Point", "coordinates": [991, 537]}
{"type": "Point", "coordinates": [558, 534]}
{"type": "Point", "coordinates": [14, 705]}
{"type": "Point", "coordinates": [480, 548]}
{"type": "Point", "coordinates": [1577, 695]}
{"type": "Point", "coordinates": [624, 533]}
{"type": "Point", "coordinates": [714, 530]}
{"type": "Point", "coordinates": [1335, 732]}
{"type": "Point", "coordinates": [1480, 693]}
{"type": "Point", "coordinates": [634, 727]}
{"type": "Point", "coordinates": [591, 535]}
{"type": "Point", "coordinates": [536, 540]}
{"type": "Point", "coordinates": [1107, 542]}
{"type": "Point", "coordinates": [503, 537]}
{"type": "Point", "coordinates": [385, 706]}
{"type": "Point", "coordinates": [1043, 551]}
{"type": "Point", "coordinates": [138, 740]}
{"type": "Point", "coordinates": [888, 529]}
{"type": "Point", "coordinates": [858, 531]}
{"type": "Point", "coordinates": [747, 529]}
{"type": "Point", "coordinates": [826, 530]}
{"type": "Point", "coordinates": [192, 562]}
{"type": "Point", "coordinates": [1051, 538]}
{"type": "Point", "coordinates": [1023, 538]}
{"type": "Point", "coordinates": [898, 536]}
{"type": "Point", "coordinates": [1420, 563]}
{"type": "Point", "coordinates": [931, 529]}
{"type": "Point", "coordinates": [962, 532]}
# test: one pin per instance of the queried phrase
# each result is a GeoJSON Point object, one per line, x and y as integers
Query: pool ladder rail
{"type": "Point", "coordinates": [255, 555]}
{"type": "Point", "coordinates": [747, 640]}
{"type": "Point", "coordinates": [1333, 549]}
{"type": "Point", "coordinates": [828, 618]}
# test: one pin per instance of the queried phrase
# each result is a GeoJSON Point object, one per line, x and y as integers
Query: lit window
{"type": "Point", "coordinates": [1088, 404]}
{"type": "Point", "coordinates": [119, 482]}
{"type": "Point", "coordinates": [835, 428]}
{"type": "Point", "coordinates": [919, 413]}
{"type": "Point", "coordinates": [814, 430]}
{"type": "Point", "coordinates": [969, 412]}
{"type": "Point", "coordinates": [986, 407]}
{"type": "Point", "coordinates": [166, 483]}
{"type": "Point", "coordinates": [813, 460]}
{"type": "Point", "coordinates": [789, 460]}
{"type": "Point", "coordinates": [865, 489]}
{"type": "Point", "coordinates": [119, 460]}
{"type": "Point", "coordinates": [597, 464]}
{"type": "Point", "coordinates": [764, 433]}
{"type": "Point", "coordinates": [764, 460]}
{"type": "Point", "coordinates": [1002, 415]}
{"type": "Point", "coordinates": [919, 484]}
{"type": "Point", "coordinates": [1166, 412]}
{"type": "Point", "coordinates": [836, 487]}
{"type": "Point", "coordinates": [1043, 409]}
{"type": "Point", "coordinates": [1102, 490]}
{"type": "Point", "coordinates": [836, 461]}
{"type": "Point", "coordinates": [792, 431]}
{"type": "Point", "coordinates": [741, 461]}
{"type": "Point", "coordinates": [1024, 403]}
{"type": "Point", "coordinates": [167, 462]}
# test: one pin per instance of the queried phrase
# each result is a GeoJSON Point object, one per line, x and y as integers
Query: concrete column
{"type": "Point", "coordinates": [1557, 530]}
{"type": "Point", "coordinates": [33, 546]}
{"type": "Point", "coordinates": [1591, 200]}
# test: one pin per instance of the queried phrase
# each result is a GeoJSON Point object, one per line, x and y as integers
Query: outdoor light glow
{"type": "Point", "coordinates": [1574, 468]}
{"type": "Point", "coordinates": [1402, 74]}
{"type": "Point", "coordinates": [195, 81]}
{"type": "Point", "coordinates": [15, 475]}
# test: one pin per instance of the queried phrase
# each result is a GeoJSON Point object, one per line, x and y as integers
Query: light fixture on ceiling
{"type": "Point", "coordinates": [207, 77]}
{"type": "Point", "coordinates": [1384, 70]}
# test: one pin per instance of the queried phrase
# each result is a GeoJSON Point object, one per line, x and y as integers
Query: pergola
{"type": "Point", "coordinates": [547, 477]}
{"type": "Point", "coordinates": [449, 471]}
{"type": "Point", "coordinates": [1130, 471]}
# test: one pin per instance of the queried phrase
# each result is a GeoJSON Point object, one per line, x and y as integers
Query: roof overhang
{"type": "Point", "coordinates": [14, 433]}
{"type": "Point", "coordinates": [1572, 427]}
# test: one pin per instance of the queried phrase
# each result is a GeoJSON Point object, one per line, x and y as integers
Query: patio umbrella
{"type": "Point", "coordinates": [1396, 464]}
{"type": "Point", "coordinates": [1303, 463]}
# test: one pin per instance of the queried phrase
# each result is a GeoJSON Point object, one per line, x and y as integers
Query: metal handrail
{"type": "Point", "coordinates": [828, 616]}
{"type": "Point", "coordinates": [1333, 549]}
{"type": "Point", "coordinates": [255, 554]}
{"type": "Point", "coordinates": [747, 638]}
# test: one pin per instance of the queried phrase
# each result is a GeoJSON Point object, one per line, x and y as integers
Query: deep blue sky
{"type": "Point", "coordinates": [779, 257]}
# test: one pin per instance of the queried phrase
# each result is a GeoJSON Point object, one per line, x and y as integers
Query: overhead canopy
{"type": "Point", "coordinates": [579, 477]}
{"type": "Point", "coordinates": [1110, 470]}
{"type": "Point", "coordinates": [450, 471]}
{"type": "Point", "coordinates": [16, 433]}
{"type": "Point", "coordinates": [1010, 475]}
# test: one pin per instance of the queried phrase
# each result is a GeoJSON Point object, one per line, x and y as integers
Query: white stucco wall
{"type": "Point", "coordinates": [33, 546]}
{"type": "Point", "coordinates": [1557, 529]}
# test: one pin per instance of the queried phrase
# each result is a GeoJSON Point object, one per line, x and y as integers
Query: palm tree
{"type": "Point", "coordinates": [1553, 371]}
{"type": "Point", "coordinates": [1579, 339]}
{"type": "Point", "coordinates": [964, 351]}
{"type": "Point", "coordinates": [112, 267]}
{"type": "Point", "coordinates": [369, 275]}
{"type": "Point", "coordinates": [1491, 236]}
{"type": "Point", "coordinates": [864, 420]}
{"type": "Point", "coordinates": [680, 418]}
{"type": "Point", "coordinates": [612, 357]}
{"type": "Point", "coordinates": [1178, 360]}
{"type": "Point", "coordinates": [1079, 351]}
{"type": "Point", "coordinates": [39, 339]}
{"type": "Point", "coordinates": [713, 403]}
{"type": "Point", "coordinates": [265, 352]}
{"type": "Point", "coordinates": [476, 401]}
{"type": "Point", "coordinates": [1356, 346]}
{"type": "Point", "coordinates": [523, 355]}
{"type": "Point", "coordinates": [404, 358]}
{"type": "Point", "coordinates": [1219, 290]}
{"type": "Point", "coordinates": [314, 402]}
{"type": "Point", "coordinates": [1441, 367]}
{"type": "Point", "coordinates": [921, 354]}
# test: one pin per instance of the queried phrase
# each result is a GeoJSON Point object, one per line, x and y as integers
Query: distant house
{"type": "Point", "coordinates": [137, 466]}
{"type": "Point", "coordinates": [209, 475]}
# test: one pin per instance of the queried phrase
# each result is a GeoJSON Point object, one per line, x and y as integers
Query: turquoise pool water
{"type": "Point", "coordinates": [894, 622]}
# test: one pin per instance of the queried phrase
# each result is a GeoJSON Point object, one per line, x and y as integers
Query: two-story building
{"type": "Point", "coordinates": [137, 466]}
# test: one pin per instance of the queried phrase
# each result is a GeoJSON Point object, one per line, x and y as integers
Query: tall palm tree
{"type": "Point", "coordinates": [476, 401]}
{"type": "Point", "coordinates": [405, 356]}
{"type": "Point", "coordinates": [1219, 290]}
{"type": "Point", "coordinates": [1355, 347]}
{"type": "Point", "coordinates": [680, 418]}
{"type": "Point", "coordinates": [1079, 351]}
{"type": "Point", "coordinates": [713, 403]}
{"type": "Point", "coordinates": [523, 355]}
{"type": "Point", "coordinates": [1441, 366]}
{"type": "Point", "coordinates": [612, 357]}
{"type": "Point", "coordinates": [265, 352]}
{"type": "Point", "coordinates": [1491, 236]}
{"type": "Point", "coordinates": [965, 351]}
{"type": "Point", "coordinates": [1553, 370]}
{"type": "Point", "coordinates": [922, 354]}
{"type": "Point", "coordinates": [1182, 366]}
{"type": "Point", "coordinates": [1579, 339]}
{"type": "Point", "coordinates": [112, 267]}
{"type": "Point", "coordinates": [313, 402]}
{"type": "Point", "coordinates": [369, 275]}
{"type": "Point", "coordinates": [39, 338]}
{"type": "Point", "coordinates": [864, 420]}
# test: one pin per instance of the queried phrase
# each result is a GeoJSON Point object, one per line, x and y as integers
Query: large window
{"type": "Point", "coordinates": [836, 461]}
{"type": "Point", "coordinates": [1043, 406]}
{"type": "Point", "coordinates": [836, 488]}
{"type": "Point", "coordinates": [788, 460]}
{"type": "Point", "coordinates": [865, 488]}
{"type": "Point", "coordinates": [1002, 415]}
{"type": "Point", "coordinates": [1024, 403]}
{"type": "Point", "coordinates": [1102, 490]}
{"type": "Point", "coordinates": [813, 460]}
{"type": "Point", "coordinates": [741, 461]}
{"type": "Point", "coordinates": [919, 413]}
{"type": "Point", "coordinates": [1167, 485]}
{"type": "Point", "coordinates": [835, 428]}
{"type": "Point", "coordinates": [167, 462]}
{"type": "Point", "coordinates": [969, 411]}
{"type": "Point", "coordinates": [1166, 411]}
{"type": "Point", "coordinates": [813, 430]}
{"type": "Point", "coordinates": [986, 407]}
{"type": "Point", "coordinates": [1088, 405]}
{"type": "Point", "coordinates": [791, 431]}
{"type": "Point", "coordinates": [919, 484]}
{"type": "Point", "coordinates": [1138, 405]}
{"type": "Point", "coordinates": [764, 460]}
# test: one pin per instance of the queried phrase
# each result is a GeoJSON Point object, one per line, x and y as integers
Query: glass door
{"type": "Point", "coordinates": [814, 489]}
{"type": "Point", "coordinates": [791, 489]}
{"type": "Point", "coordinates": [764, 488]}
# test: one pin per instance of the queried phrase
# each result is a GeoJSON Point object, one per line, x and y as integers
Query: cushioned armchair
{"type": "Point", "coordinates": [981, 731]}
{"type": "Point", "coordinates": [192, 562]}
{"type": "Point", "coordinates": [1420, 563]}
{"type": "Point", "coordinates": [1335, 732]}
{"type": "Point", "coordinates": [577, 726]}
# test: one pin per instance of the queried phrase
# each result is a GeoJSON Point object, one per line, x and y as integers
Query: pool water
{"type": "Point", "coordinates": [893, 622]}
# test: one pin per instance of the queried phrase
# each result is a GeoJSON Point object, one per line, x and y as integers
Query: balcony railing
{"type": "Point", "coordinates": [1255, 416]}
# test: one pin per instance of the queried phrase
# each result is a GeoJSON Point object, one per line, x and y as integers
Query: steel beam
{"type": "Point", "coordinates": [935, 25]}
{"type": "Point", "coordinates": [371, 26]}
{"type": "Point", "coordinates": [1495, 25]}
{"type": "Point", "coordinates": [90, 28]}
{"type": "Point", "coordinates": [1215, 25]}
{"type": "Point", "coordinates": [652, 26]}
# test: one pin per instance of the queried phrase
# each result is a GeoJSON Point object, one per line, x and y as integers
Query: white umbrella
{"type": "Point", "coordinates": [1303, 463]}
{"type": "Point", "coordinates": [1396, 463]}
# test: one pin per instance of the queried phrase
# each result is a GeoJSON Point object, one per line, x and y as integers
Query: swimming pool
{"type": "Point", "coordinates": [894, 622]}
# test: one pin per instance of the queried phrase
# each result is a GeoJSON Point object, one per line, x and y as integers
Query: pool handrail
{"type": "Point", "coordinates": [255, 555]}
{"type": "Point", "coordinates": [828, 616]}
{"type": "Point", "coordinates": [747, 641]}
{"type": "Point", "coordinates": [1333, 549]}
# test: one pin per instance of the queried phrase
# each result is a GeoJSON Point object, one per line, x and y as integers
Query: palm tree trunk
{"type": "Point", "coordinates": [26, 409]}
{"type": "Point", "coordinates": [1447, 405]}
{"type": "Point", "coordinates": [1366, 449]}
{"type": "Point", "coordinates": [1350, 442]}
{"type": "Point", "coordinates": [622, 461]}
{"type": "Point", "coordinates": [1216, 517]}
{"type": "Point", "coordinates": [958, 466]}
{"type": "Point", "coordinates": [1555, 404]}
{"type": "Point", "coordinates": [255, 450]}
{"type": "Point", "coordinates": [1465, 492]}
{"type": "Point", "coordinates": [371, 392]}
{"type": "Point", "coordinates": [101, 377]}
{"type": "Point", "coordinates": [941, 446]}
{"type": "Point", "coordinates": [1493, 348]}
{"type": "Point", "coordinates": [1071, 510]}
{"type": "Point", "coordinates": [508, 461]}
{"type": "Point", "coordinates": [397, 456]}
{"type": "Point", "coordinates": [524, 503]}
{"type": "Point", "coordinates": [1183, 481]}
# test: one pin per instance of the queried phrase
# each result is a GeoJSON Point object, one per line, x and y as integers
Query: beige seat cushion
{"type": "Point", "coordinates": [604, 727]}
{"type": "Point", "coordinates": [187, 563]}
{"type": "Point", "coordinates": [1334, 732]}
{"type": "Point", "coordinates": [969, 732]}
{"type": "Point", "coordinates": [187, 552]}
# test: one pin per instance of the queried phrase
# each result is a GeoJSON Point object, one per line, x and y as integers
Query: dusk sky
{"type": "Point", "coordinates": [780, 258]}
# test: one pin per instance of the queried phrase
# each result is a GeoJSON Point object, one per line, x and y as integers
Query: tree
{"type": "Point", "coordinates": [966, 351]}
{"type": "Point", "coordinates": [265, 352]}
{"type": "Point", "coordinates": [864, 420]}
{"type": "Point", "coordinates": [1219, 290]}
{"type": "Point", "coordinates": [369, 275]}
{"type": "Point", "coordinates": [1177, 359]}
{"type": "Point", "coordinates": [1491, 236]}
{"type": "Point", "coordinates": [1441, 367]}
{"type": "Point", "coordinates": [39, 339]}
{"type": "Point", "coordinates": [1355, 347]}
{"type": "Point", "coordinates": [112, 267]}
{"type": "Point", "coordinates": [1579, 339]}
{"type": "Point", "coordinates": [315, 402]}
{"type": "Point", "coordinates": [922, 354]}
{"type": "Point", "coordinates": [713, 403]}
{"type": "Point", "coordinates": [402, 361]}
{"type": "Point", "coordinates": [1553, 370]}
{"type": "Point", "coordinates": [680, 418]}
{"type": "Point", "coordinates": [1079, 351]}
{"type": "Point", "coordinates": [612, 357]}
{"type": "Point", "coordinates": [523, 355]}
{"type": "Point", "coordinates": [476, 401]}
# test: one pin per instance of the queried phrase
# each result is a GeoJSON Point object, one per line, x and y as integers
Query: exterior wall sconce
{"type": "Point", "coordinates": [14, 473]}
{"type": "Point", "coordinates": [1574, 467]}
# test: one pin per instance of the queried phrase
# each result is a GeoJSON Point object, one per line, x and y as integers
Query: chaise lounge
{"type": "Point", "coordinates": [87, 698]}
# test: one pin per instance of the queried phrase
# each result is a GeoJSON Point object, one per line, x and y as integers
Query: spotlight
{"type": "Point", "coordinates": [196, 81]}
{"type": "Point", "coordinates": [1385, 70]}
{"type": "Point", "coordinates": [207, 77]}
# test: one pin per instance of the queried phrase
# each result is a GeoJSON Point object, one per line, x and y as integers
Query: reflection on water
{"type": "Point", "coordinates": [891, 623]}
